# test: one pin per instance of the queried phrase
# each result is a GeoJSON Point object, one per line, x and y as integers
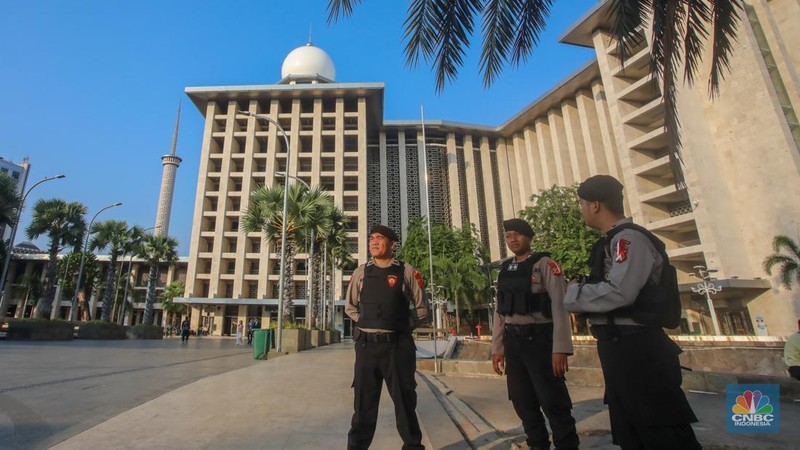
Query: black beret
{"type": "Point", "coordinates": [386, 231]}
{"type": "Point", "coordinates": [600, 188]}
{"type": "Point", "coordinates": [520, 226]}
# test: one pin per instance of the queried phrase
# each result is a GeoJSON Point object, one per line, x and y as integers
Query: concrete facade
{"type": "Point", "coordinates": [18, 173]}
{"type": "Point", "coordinates": [739, 155]}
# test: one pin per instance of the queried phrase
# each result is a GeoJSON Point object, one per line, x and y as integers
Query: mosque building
{"type": "Point", "coordinates": [740, 167]}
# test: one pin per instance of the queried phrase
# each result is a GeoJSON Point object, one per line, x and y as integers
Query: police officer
{"type": "Point", "coordinates": [385, 301]}
{"type": "Point", "coordinates": [531, 340]}
{"type": "Point", "coordinates": [647, 408]}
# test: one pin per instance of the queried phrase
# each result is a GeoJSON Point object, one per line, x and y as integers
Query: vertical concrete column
{"type": "Point", "coordinates": [590, 130]}
{"type": "Point", "coordinates": [532, 150]}
{"type": "Point", "coordinates": [523, 168]}
{"type": "Point", "coordinates": [488, 193]}
{"type": "Point", "coordinates": [452, 178]}
{"type": "Point", "coordinates": [560, 153]}
{"type": "Point", "coordinates": [472, 185]}
{"type": "Point", "coordinates": [384, 178]}
{"type": "Point", "coordinates": [579, 164]}
{"type": "Point", "coordinates": [266, 263]}
{"type": "Point", "coordinates": [545, 150]}
{"type": "Point", "coordinates": [362, 174]}
{"type": "Point", "coordinates": [506, 184]}
{"type": "Point", "coordinates": [401, 149]}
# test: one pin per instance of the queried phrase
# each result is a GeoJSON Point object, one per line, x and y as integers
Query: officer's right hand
{"type": "Point", "coordinates": [498, 364]}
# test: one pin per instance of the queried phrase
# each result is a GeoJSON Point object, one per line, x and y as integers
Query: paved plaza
{"type": "Point", "coordinates": [211, 394]}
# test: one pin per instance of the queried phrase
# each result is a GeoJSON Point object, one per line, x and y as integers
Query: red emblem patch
{"type": "Point", "coordinates": [621, 253]}
{"type": "Point", "coordinates": [419, 279]}
{"type": "Point", "coordinates": [392, 280]}
{"type": "Point", "coordinates": [555, 269]}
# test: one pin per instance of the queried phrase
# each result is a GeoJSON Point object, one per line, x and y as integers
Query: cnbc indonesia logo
{"type": "Point", "coordinates": [751, 410]}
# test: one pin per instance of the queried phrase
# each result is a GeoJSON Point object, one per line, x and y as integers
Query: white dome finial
{"type": "Point", "coordinates": [308, 63]}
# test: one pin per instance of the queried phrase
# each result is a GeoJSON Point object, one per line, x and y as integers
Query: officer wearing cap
{"type": "Point", "coordinates": [385, 301]}
{"type": "Point", "coordinates": [531, 339]}
{"type": "Point", "coordinates": [647, 408]}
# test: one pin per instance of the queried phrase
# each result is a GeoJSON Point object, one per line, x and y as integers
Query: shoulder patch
{"type": "Point", "coordinates": [621, 250]}
{"type": "Point", "coordinates": [420, 281]}
{"type": "Point", "coordinates": [555, 269]}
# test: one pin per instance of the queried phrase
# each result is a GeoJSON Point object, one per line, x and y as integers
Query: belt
{"type": "Point", "coordinates": [528, 330]}
{"type": "Point", "coordinates": [615, 331]}
{"type": "Point", "coordinates": [380, 338]}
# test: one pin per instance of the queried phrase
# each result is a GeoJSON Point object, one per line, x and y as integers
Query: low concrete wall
{"type": "Point", "coordinates": [40, 330]}
{"type": "Point", "coordinates": [144, 332]}
{"type": "Point", "coordinates": [101, 331]}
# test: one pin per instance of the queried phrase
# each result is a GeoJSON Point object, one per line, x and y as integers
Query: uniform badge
{"type": "Point", "coordinates": [555, 269]}
{"type": "Point", "coordinates": [513, 267]}
{"type": "Point", "coordinates": [420, 281]}
{"type": "Point", "coordinates": [392, 280]}
{"type": "Point", "coordinates": [621, 252]}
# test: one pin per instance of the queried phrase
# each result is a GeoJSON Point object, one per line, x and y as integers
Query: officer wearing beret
{"type": "Point", "coordinates": [385, 300]}
{"type": "Point", "coordinates": [531, 339]}
{"type": "Point", "coordinates": [647, 408]}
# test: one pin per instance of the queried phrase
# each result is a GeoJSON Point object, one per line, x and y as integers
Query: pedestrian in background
{"type": "Point", "coordinates": [791, 354]}
{"type": "Point", "coordinates": [531, 339]}
{"type": "Point", "coordinates": [239, 332]}
{"type": "Point", "coordinates": [385, 301]}
{"type": "Point", "coordinates": [641, 370]}
{"type": "Point", "coordinates": [185, 330]}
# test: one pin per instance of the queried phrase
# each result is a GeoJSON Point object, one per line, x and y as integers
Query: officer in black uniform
{"type": "Point", "coordinates": [647, 408]}
{"type": "Point", "coordinates": [385, 301]}
{"type": "Point", "coordinates": [531, 339]}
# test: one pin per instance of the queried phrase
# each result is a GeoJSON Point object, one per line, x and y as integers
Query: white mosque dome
{"type": "Point", "coordinates": [308, 62]}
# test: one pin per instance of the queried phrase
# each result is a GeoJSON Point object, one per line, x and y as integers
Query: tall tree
{"type": "Point", "coordinates": [168, 305]}
{"type": "Point", "coordinates": [265, 215]}
{"type": "Point", "coordinates": [156, 249]}
{"type": "Point", "coordinates": [457, 259]}
{"type": "Point", "coordinates": [111, 235]}
{"type": "Point", "coordinates": [789, 262]}
{"type": "Point", "coordinates": [555, 217]}
{"type": "Point", "coordinates": [67, 274]}
{"type": "Point", "coordinates": [28, 287]}
{"type": "Point", "coordinates": [64, 225]}
{"type": "Point", "coordinates": [9, 203]}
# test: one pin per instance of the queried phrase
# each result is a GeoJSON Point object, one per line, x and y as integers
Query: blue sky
{"type": "Point", "coordinates": [91, 87]}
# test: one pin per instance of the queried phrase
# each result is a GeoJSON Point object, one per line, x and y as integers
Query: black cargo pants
{"type": "Point", "coordinates": [532, 387]}
{"type": "Point", "coordinates": [390, 358]}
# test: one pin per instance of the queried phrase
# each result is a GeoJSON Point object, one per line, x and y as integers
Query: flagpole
{"type": "Point", "coordinates": [434, 306]}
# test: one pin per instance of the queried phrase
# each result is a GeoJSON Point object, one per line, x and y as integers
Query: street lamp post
{"type": "Point", "coordinates": [83, 261]}
{"type": "Point", "coordinates": [282, 278]}
{"type": "Point", "coordinates": [437, 312]}
{"type": "Point", "coordinates": [706, 287]}
{"type": "Point", "coordinates": [7, 262]}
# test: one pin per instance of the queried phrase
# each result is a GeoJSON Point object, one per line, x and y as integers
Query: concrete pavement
{"type": "Point", "coordinates": [304, 400]}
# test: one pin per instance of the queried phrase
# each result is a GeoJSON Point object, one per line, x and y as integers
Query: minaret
{"type": "Point", "coordinates": [170, 163]}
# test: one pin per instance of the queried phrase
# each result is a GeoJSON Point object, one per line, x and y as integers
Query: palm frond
{"type": "Point", "coordinates": [773, 260]}
{"type": "Point", "coordinates": [457, 20]}
{"type": "Point", "coordinates": [628, 17]}
{"type": "Point", "coordinates": [420, 26]}
{"type": "Point", "coordinates": [726, 20]}
{"type": "Point", "coordinates": [789, 271]}
{"type": "Point", "coordinates": [340, 8]}
{"type": "Point", "coordinates": [780, 242]}
{"type": "Point", "coordinates": [533, 17]}
{"type": "Point", "coordinates": [499, 21]}
{"type": "Point", "coordinates": [698, 15]}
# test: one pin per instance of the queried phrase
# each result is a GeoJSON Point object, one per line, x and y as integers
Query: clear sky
{"type": "Point", "coordinates": [91, 87]}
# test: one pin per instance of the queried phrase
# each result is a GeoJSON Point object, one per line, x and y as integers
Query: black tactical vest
{"type": "Point", "coordinates": [514, 294]}
{"type": "Point", "coordinates": [382, 303]}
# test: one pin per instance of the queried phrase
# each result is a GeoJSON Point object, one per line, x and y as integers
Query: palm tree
{"type": "Point", "coordinates": [156, 249]}
{"type": "Point", "coordinates": [64, 225]}
{"type": "Point", "coordinates": [789, 263]}
{"type": "Point", "coordinates": [319, 224]}
{"type": "Point", "coordinates": [9, 202]}
{"type": "Point", "coordinates": [27, 287]}
{"type": "Point", "coordinates": [439, 31]}
{"type": "Point", "coordinates": [112, 235]}
{"type": "Point", "coordinates": [170, 308]}
{"type": "Point", "coordinates": [265, 215]}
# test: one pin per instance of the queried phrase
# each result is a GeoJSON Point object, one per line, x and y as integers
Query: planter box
{"type": "Point", "coordinates": [336, 337]}
{"type": "Point", "coordinates": [40, 330]}
{"type": "Point", "coordinates": [327, 337]}
{"type": "Point", "coordinates": [294, 340]}
{"type": "Point", "coordinates": [144, 332]}
{"type": "Point", "coordinates": [317, 338]}
{"type": "Point", "coordinates": [101, 331]}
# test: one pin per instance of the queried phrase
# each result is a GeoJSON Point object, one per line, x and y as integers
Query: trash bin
{"type": "Point", "coordinates": [262, 343]}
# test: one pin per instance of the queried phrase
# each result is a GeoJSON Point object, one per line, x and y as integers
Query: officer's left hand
{"type": "Point", "coordinates": [560, 365]}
